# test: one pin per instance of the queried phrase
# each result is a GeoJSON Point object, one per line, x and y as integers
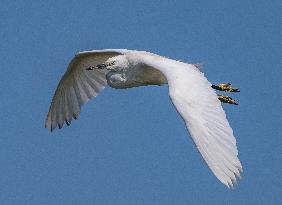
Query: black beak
{"type": "Point", "coordinates": [99, 66]}
{"type": "Point", "coordinates": [89, 68]}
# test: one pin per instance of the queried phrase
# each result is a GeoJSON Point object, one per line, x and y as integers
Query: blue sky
{"type": "Point", "coordinates": [130, 146]}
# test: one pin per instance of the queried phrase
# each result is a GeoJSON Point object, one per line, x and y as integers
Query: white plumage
{"type": "Point", "coordinates": [189, 90]}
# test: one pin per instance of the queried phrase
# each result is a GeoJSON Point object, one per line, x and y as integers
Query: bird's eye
{"type": "Point", "coordinates": [112, 63]}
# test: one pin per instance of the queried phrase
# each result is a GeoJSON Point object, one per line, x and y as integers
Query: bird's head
{"type": "Point", "coordinates": [115, 63]}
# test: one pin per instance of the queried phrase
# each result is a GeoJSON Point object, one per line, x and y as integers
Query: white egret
{"type": "Point", "coordinates": [191, 93]}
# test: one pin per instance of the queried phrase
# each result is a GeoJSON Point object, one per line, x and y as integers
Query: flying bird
{"type": "Point", "coordinates": [193, 96]}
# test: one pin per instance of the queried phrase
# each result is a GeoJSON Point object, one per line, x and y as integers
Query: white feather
{"type": "Point", "coordinates": [77, 86]}
{"type": "Point", "coordinates": [197, 103]}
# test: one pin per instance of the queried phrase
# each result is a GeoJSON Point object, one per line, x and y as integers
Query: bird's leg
{"type": "Point", "coordinates": [227, 99]}
{"type": "Point", "coordinates": [226, 87]}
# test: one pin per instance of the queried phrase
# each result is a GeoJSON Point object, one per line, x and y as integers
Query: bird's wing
{"type": "Point", "coordinates": [197, 103]}
{"type": "Point", "coordinates": [78, 85]}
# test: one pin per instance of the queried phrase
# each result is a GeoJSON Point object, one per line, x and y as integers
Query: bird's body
{"type": "Point", "coordinates": [133, 72]}
{"type": "Point", "coordinates": [191, 93]}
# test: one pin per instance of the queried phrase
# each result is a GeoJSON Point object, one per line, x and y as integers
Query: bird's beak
{"type": "Point", "coordinates": [99, 66]}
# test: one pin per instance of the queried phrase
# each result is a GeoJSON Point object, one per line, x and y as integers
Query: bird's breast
{"type": "Point", "coordinates": [135, 77]}
{"type": "Point", "coordinates": [116, 79]}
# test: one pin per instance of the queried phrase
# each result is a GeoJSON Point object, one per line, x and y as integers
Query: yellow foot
{"type": "Point", "coordinates": [227, 99]}
{"type": "Point", "coordinates": [226, 87]}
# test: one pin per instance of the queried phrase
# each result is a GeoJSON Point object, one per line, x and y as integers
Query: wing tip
{"type": "Point", "coordinates": [48, 124]}
{"type": "Point", "coordinates": [231, 182]}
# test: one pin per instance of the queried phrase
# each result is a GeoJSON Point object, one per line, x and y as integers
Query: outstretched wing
{"type": "Point", "coordinates": [77, 86]}
{"type": "Point", "coordinates": [197, 103]}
